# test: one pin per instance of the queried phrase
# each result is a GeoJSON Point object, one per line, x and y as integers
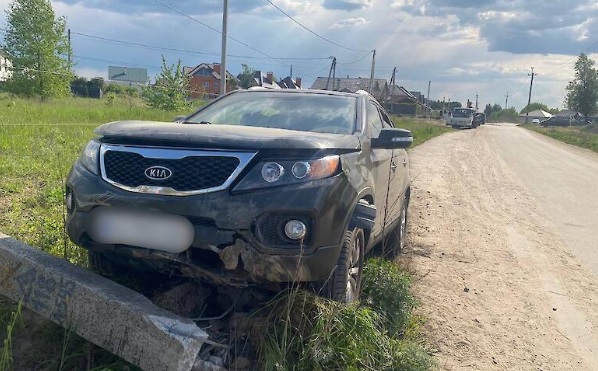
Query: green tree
{"type": "Point", "coordinates": [169, 93]}
{"type": "Point", "coordinates": [582, 92]}
{"type": "Point", "coordinates": [538, 106]}
{"type": "Point", "coordinates": [246, 77]}
{"type": "Point", "coordinates": [36, 43]}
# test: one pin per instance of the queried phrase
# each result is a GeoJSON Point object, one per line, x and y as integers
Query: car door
{"type": "Point", "coordinates": [381, 161]}
{"type": "Point", "coordinates": [399, 176]}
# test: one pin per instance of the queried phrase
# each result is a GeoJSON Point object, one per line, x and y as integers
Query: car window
{"type": "Point", "coordinates": [386, 121]}
{"type": "Point", "coordinates": [374, 120]}
{"type": "Point", "coordinates": [295, 111]}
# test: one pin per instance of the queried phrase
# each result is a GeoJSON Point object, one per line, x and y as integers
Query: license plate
{"type": "Point", "coordinates": [156, 231]}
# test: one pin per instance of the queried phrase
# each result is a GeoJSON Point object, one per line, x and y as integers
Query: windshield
{"type": "Point", "coordinates": [462, 112]}
{"type": "Point", "coordinates": [305, 112]}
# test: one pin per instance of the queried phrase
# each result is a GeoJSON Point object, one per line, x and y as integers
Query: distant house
{"type": "Point", "coordinates": [204, 80]}
{"type": "Point", "coordinates": [290, 83]}
{"type": "Point", "coordinates": [396, 99]}
{"type": "Point", "coordinates": [350, 84]}
{"type": "Point", "coordinates": [265, 80]}
{"type": "Point", "coordinates": [5, 67]}
{"type": "Point", "coordinates": [537, 114]}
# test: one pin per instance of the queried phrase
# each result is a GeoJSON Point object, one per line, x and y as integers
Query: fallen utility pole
{"type": "Point", "coordinates": [105, 313]}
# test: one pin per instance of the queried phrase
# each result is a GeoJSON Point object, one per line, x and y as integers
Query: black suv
{"type": "Point", "coordinates": [258, 187]}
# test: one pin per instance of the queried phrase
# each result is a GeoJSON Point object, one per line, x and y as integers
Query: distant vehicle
{"type": "Point", "coordinates": [479, 118]}
{"type": "Point", "coordinates": [579, 121]}
{"type": "Point", "coordinates": [463, 118]}
{"type": "Point", "coordinates": [557, 121]}
{"type": "Point", "coordinates": [536, 121]}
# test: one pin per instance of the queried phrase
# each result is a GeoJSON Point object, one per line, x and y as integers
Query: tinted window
{"type": "Point", "coordinates": [296, 111]}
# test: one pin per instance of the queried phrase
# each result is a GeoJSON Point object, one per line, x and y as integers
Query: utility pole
{"type": "Point", "coordinates": [372, 74]}
{"type": "Point", "coordinates": [476, 102]}
{"type": "Point", "coordinates": [507, 100]}
{"type": "Point", "coordinates": [429, 109]}
{"type": "Point", "coordinates": [332, 67]}
{"type": "Point", "coordinates": [529, 98]}
{"type": "Point", "coordinates": [223, 53]}
{"type": "Point", "coordinates": [392, 89]}
{"type": "Point", "coordinates": [291, 75]}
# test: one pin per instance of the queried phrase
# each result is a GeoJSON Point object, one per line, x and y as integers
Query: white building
{"type": "Point", "coordinates": [5, 67]}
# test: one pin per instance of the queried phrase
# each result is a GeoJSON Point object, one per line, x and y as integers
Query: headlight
{"type": "Point", "coordinates": [274, 173]}
{"type": "Point", "coordinates": [89, 157]}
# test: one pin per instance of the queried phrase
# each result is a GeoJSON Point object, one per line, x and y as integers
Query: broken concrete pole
{"type": "Point", "coordinates": [109, 315]}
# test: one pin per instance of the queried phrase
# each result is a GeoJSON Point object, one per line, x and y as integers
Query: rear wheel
{"type": "Point", "coordinates": [100, 264]}
{"type": "Point", "coordinates": [344, 283]}
{"type": "Point", "coordinates": [395, 241]}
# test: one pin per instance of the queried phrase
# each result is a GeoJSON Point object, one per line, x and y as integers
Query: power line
{"type": "Point", "coordinates": [218, 31]}
{"type": "Point", "coordinates": [316, 34]}
{"type": "Point", "coordinates": [186, 51]}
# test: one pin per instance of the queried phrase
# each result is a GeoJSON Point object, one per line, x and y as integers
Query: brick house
{"type": "Point", "coordinates": [204, 80]}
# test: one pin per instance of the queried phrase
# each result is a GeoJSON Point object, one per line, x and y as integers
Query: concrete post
{"type": "Point", "coordinates": [109, 315]}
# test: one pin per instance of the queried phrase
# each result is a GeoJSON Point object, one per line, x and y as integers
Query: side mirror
{"type": "Point", "coordinates": [391, 138]}
{"type": "Point", "coordinates": [180, 118]}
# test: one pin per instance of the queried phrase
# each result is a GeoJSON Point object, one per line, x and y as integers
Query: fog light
{"type": "Point", "coordinates": [272, 171]}
{"type": "Point", "coordinates": [295, 229]}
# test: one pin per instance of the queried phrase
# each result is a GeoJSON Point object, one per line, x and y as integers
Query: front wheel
{"type": "Point", "coordinates": [344, 283]}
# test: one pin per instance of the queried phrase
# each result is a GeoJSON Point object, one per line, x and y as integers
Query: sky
{"type": "Point", "coordinates": [460, 48]}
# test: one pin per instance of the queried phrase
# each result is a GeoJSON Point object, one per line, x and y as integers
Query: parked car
{"type": "Point", "coordinates": [257, 187]}
{"type": "Point", "coordinates": [536, 121]}
{"type": "Point", "coordinates": [557, 121]}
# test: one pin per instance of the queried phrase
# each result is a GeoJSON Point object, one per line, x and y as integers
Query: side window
{"type": "Point", "coordinates": [386, 121]}
{"type": "Point", "coordinates": [374, 121]}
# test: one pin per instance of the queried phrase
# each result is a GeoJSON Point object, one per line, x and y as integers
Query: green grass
{"type": "Point", "coordinates": [39, 141]}
{"type": "Point", "coordinates": [581, 136]}
{"type": "Point", "coordinates": [421, 129]}
{"type": "Point", "coordinates": [301, 331]}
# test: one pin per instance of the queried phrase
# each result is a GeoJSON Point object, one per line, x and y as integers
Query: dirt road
{"type": "Point", "coordinates": [504, 248]}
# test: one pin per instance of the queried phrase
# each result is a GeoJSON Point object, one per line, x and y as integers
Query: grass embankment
{"type": "Point", "coordinates": [581, 136]}
{"type": "Point", "coordinates": [39, 141]}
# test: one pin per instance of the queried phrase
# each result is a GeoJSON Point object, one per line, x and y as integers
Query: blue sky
{"type": "Point", "coordinates": [463, 49]}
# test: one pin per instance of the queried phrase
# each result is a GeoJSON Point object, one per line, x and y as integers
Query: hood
{"type": "Point", "coordinates": [223, 136]}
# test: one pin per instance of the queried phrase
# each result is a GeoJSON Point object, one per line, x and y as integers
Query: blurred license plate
{"type": "Point", "coordinates": [157, 231]}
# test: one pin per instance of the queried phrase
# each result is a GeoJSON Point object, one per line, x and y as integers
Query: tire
{"type": "Point", "coordinates": [344, 283]}
{"type": "Point", "coordinates": [103, 266]}
{"type": "Point", "coordinates": [395, 242]}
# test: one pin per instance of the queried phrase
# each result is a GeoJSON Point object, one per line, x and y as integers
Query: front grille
{"type": "Point", "coordinates": [189, 173]}
{"type": "Point", "coordinates": [181, 172]}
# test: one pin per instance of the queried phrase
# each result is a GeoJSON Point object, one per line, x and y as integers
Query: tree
{"type": "Point", "coordinates": [538, 106]}
{"type": "Point", "coordinates": [582, 92]}
{"type": "Point", "coordinates": [246, 77]}
{"type": "Point", "coordinates": [38, 48]}
{"type": "Point", "coordinates": [170, 90]}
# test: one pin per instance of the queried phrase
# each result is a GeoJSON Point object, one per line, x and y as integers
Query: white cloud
{"type": "Point", "coordinates": [348, 23]}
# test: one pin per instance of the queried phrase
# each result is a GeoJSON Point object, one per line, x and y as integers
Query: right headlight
{"type": "Point", "coordinates": [90, 157]}
{"type": "Point", "coordinates": [274, 173]}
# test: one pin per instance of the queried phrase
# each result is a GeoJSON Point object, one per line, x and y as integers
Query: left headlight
{"type": "Point", "coordinates": [274, 173]}
{"type": "Point", "coordinates": [90, 157]}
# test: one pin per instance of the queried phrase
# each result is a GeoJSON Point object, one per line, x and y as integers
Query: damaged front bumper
{"type": "Point", "coordinates": [238, 237]}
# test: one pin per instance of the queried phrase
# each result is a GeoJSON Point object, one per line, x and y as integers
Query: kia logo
{"type": "Point", "coordinates": [158, 173]}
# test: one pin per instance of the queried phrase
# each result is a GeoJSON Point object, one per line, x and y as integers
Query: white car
{"type": "Point", "coordinates": [536, 121]}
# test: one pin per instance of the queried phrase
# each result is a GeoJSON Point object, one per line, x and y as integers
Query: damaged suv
{"type": "Point", "coordinates": [259, 187]}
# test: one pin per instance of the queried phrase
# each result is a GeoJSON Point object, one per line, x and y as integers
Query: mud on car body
{"type": "Point", "coordinates": [258, 187]}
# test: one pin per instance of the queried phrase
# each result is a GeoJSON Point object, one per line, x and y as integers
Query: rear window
{"type": "Point", "coordinates": [295, 111]}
